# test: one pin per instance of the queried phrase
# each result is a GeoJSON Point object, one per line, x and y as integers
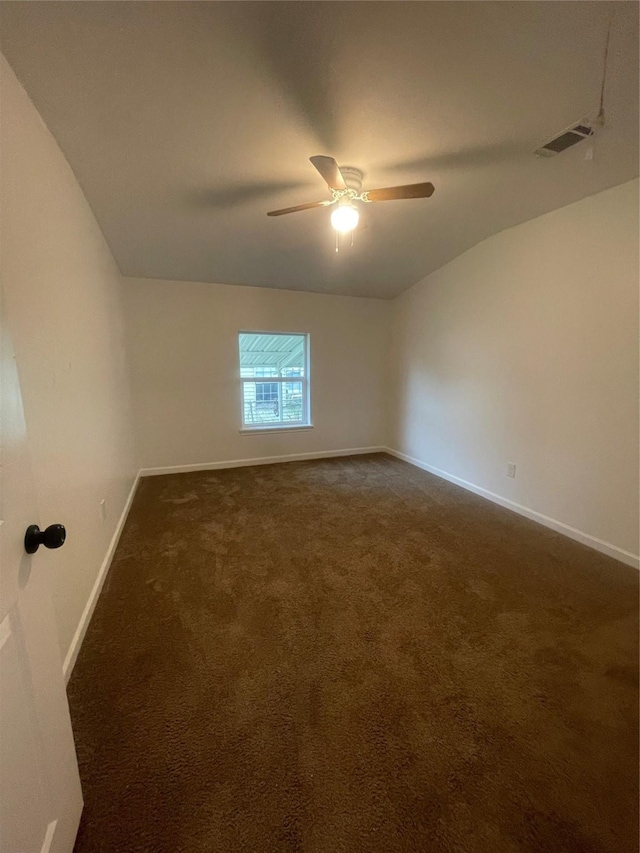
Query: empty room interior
{"type": "Point", "coordinates": [320, 437]}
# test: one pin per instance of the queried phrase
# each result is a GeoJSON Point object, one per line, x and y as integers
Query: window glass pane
{"type": "Point", "coordinates": [260, 405]}
{"type": "Point", "coordinates": [272, 402]}
{"type": "Point", "coordinates": [274, 385]}
{"type": "Point", "coordinates": [266, 392]}
{"type": "Point", "coordinates": [292, 401]}
{"type": "Point", "coordinates": [251, 372]}
{"type": "Point", "coordinates": [271, 355]}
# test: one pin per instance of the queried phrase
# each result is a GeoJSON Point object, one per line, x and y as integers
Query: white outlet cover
{"type": "Point", "coordinates": [511, 469]}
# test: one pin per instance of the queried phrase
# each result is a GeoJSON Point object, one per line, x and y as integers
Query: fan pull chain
{"type": "Point", "coordinates": [337, 241]}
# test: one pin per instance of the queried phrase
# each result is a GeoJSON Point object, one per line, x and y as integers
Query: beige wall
{"type": "Point", "coordinates": [183, 343]}
{"type": "Point", "coordinates": [62, 291]}
{"type": "Point", "coordinates": [525, 350]}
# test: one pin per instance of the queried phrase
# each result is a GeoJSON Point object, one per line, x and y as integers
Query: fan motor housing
{"type": "Point", "coordinates": [352, 177]}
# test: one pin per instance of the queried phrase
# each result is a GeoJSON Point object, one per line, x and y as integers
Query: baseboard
{"type": "Point", "coordinates": [559, 526]}
{"type": "Point", "coordinates": [81, 630]}
{"type": "Point", "coordinates": [259, 460]}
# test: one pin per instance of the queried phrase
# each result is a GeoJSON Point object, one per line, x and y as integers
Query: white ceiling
{"type": "Point", "coordinates": [185, 122]}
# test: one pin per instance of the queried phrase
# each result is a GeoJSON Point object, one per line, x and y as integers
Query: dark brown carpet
{"type": "Point", "coordinates": [353, 655]}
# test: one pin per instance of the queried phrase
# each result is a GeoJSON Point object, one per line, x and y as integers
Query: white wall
{"type": "Point", "coordinates": [63, 294]}
{"type": "Point", "coordinates": [525, 349]}
{"type": "Point", "coordinates": [183, 343]}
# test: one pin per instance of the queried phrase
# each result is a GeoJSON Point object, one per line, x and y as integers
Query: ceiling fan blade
{"type": "Point", "coordinates": [407, 191]}
{"type": "Point", "coordinates": [330, 171]}
{"type": "Point", "coordinates": [298, 207]}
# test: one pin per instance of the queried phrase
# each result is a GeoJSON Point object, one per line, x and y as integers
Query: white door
{"type": "Point", "coordinates": [40, 796]}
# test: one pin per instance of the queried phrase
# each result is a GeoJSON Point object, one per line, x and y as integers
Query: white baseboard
{"type": "Point", "coordinates": [559, 526]}
{"type": "Point", "coordinates": [81, 630]}
{"type": "Point", "coordinates": [259, 460]}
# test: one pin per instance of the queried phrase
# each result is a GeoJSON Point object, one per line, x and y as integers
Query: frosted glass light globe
{"type": "Point", "coordinates": [345, 218]}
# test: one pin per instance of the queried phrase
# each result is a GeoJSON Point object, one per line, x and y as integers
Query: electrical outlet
{"type": "Point", "coordinates": [103, 510]}
{"type": "Point", "coordinates": [511, 470]}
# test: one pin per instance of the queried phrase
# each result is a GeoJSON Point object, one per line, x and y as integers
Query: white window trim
{"type": "Point", "coordinates": [274, 428]}
{"type": "Point", "coordinates": [305, 423]}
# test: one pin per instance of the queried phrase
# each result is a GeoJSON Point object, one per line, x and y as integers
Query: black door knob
{"type": "Point", "coordinates": [52, 537]}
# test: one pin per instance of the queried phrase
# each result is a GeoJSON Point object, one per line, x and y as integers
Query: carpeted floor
{"type": "Point", "coordinates": [352, 655]}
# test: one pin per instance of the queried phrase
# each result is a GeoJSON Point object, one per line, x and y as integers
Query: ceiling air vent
{"type": "Point", "coordinates": [566, 139]}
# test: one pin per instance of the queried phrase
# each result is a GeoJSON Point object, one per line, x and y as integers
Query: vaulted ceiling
{"type": "Point", "coordinates": [185, 122]}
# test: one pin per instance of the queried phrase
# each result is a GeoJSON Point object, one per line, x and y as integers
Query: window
{"type": "Point", "coordinates": [274, 374]}
{"type": "Point", "coordinates": [266, 392]}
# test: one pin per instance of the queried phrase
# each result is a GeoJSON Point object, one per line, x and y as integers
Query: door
{"type": "Point", "coordinates": [40, 796]}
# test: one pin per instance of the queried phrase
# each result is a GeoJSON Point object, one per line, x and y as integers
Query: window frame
{"type": "Point", "coordinates": [305, 381]}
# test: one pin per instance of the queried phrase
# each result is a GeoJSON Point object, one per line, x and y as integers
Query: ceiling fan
{"type": "Point", "coordinates": [345, 184]}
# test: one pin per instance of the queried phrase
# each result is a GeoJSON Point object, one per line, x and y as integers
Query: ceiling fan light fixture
{"type": "Point", "coordinates": [345, 218]}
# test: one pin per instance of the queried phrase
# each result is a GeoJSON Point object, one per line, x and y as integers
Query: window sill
{"type": "Point", "coordinates": [284, 428]}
